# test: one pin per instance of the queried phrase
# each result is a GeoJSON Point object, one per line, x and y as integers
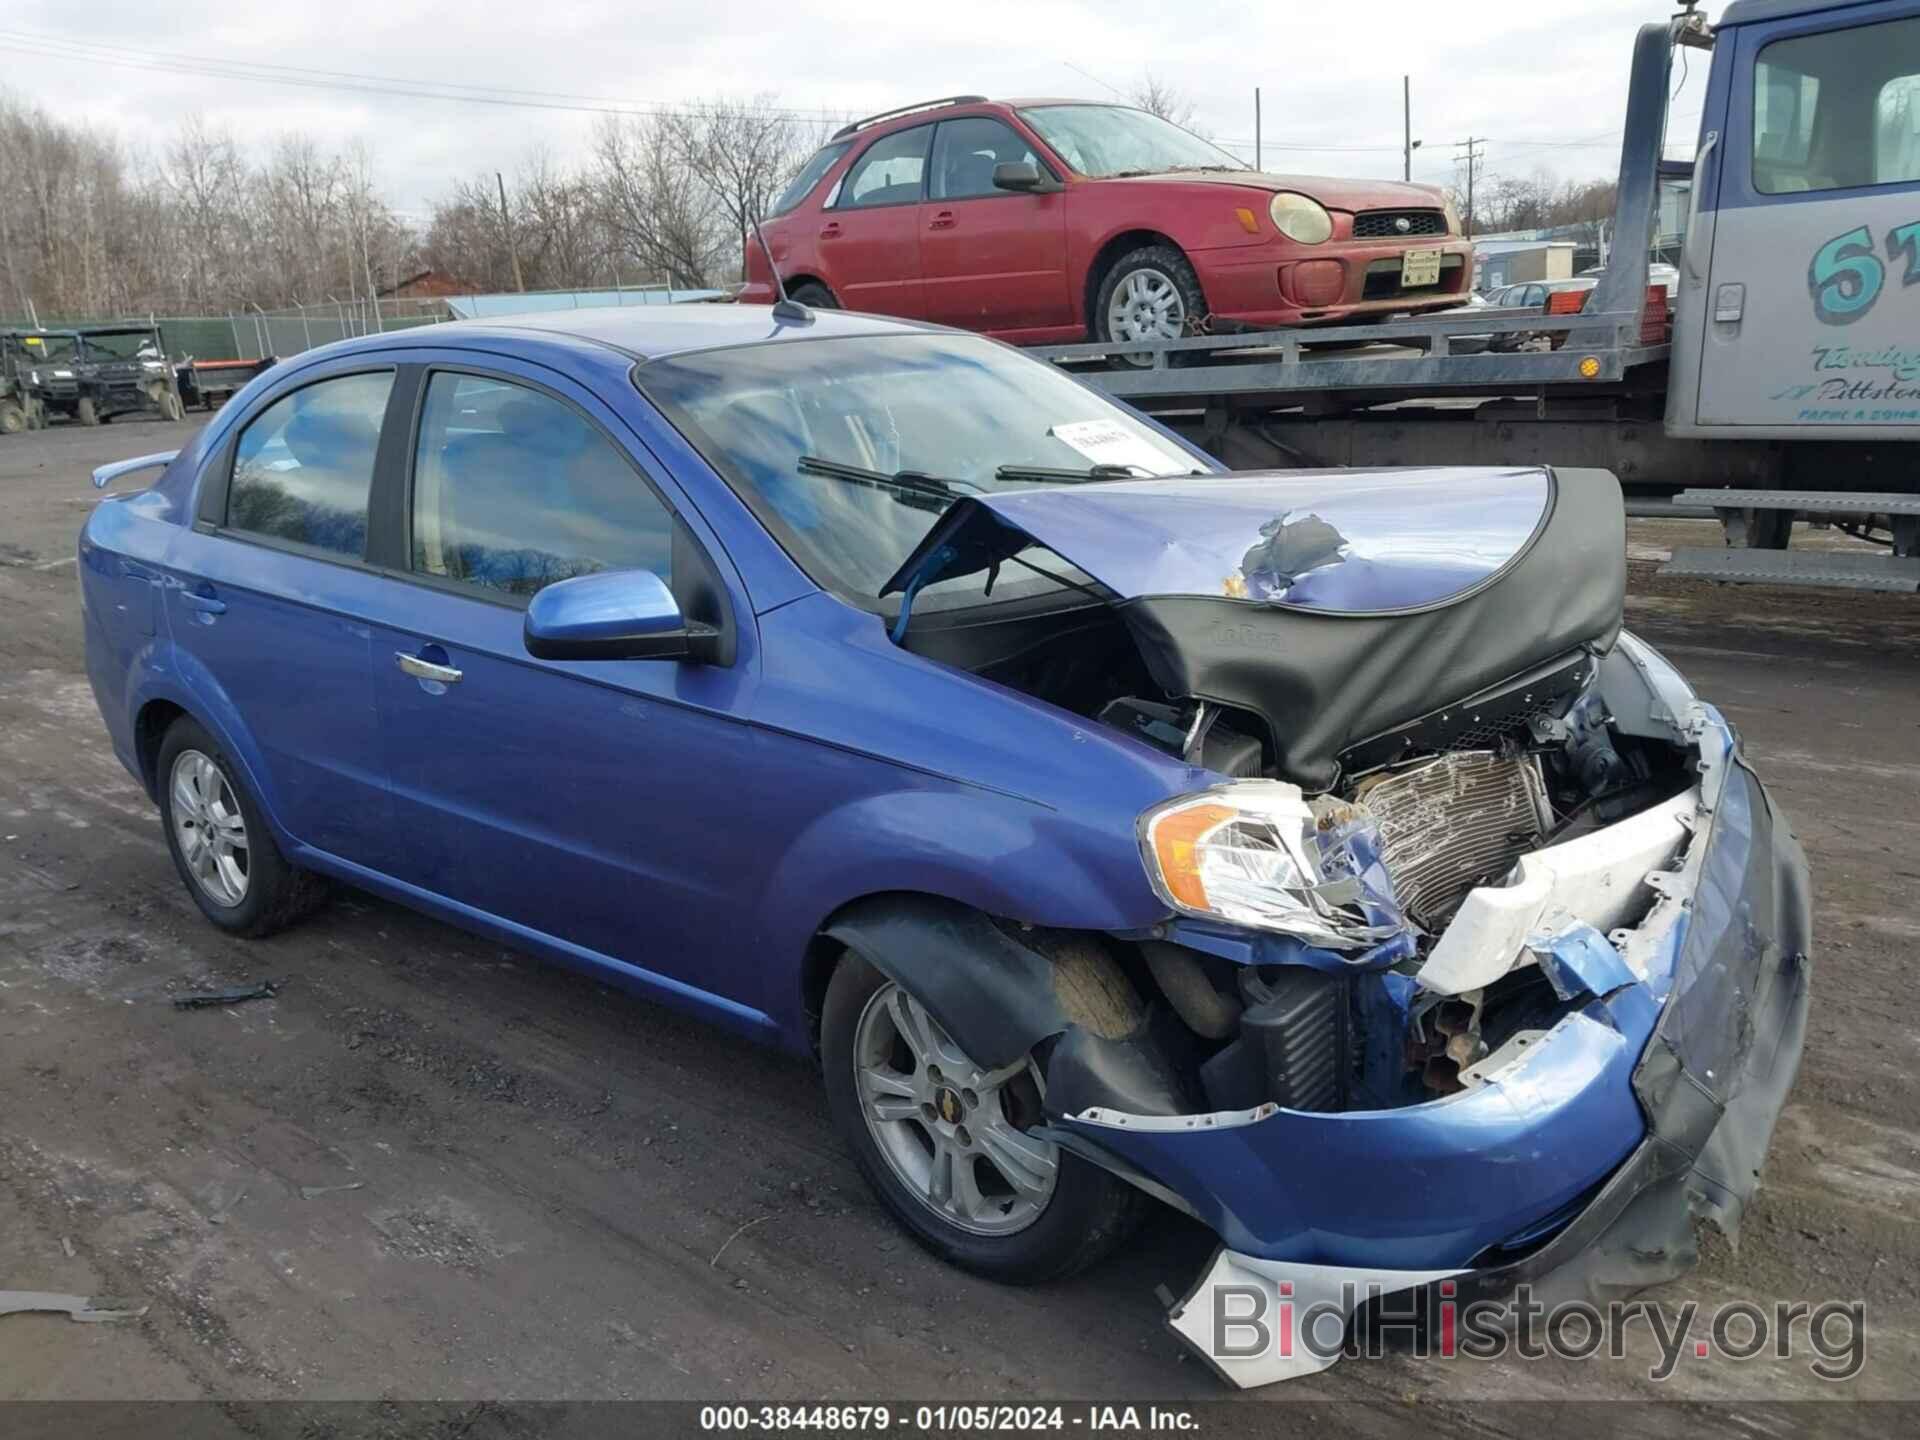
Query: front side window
{"type": "Point", "coordinates": [304, 465]}
{"type": "Point", "coordinates": [889, 173]}
{"type": "Point", "coordinates": [965, 153]}
{"type": "Point", "coordinates": [1836, 110]}
{"type": "Point", "coordinates": [513, 490]}
{"type": "Point", "coordinates": [802, 184]}
{"type": "Point", "coordinates": [953, 407]}
{"type": "Point", "coordinates": [1107, 140]}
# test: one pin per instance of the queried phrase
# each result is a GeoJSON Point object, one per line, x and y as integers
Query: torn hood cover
{"type": "Point", "coordinates": [1334, 603]}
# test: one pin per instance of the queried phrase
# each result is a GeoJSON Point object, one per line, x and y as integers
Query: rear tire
{"type": "Point", "coordinates": [86, 412]}
{"type": "Point", "coordinates": [220, 842]}
{"type": "Point", "coordinates": [813, 295]}
{"type": "Point", "coordinates": [12, 418]}
{"type": "Point", "coordinates": [1086, 1213]}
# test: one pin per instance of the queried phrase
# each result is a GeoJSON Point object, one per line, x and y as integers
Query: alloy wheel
{"type": "Point", "coordinates": [942, 1123]}
{"type": "Point", "coordinates": [209, 828]}
{"type": "Point", "coordinates": [1146, 305]}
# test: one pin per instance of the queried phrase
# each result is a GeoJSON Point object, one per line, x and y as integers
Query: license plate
{"type": "Point", "coordinates": [1418, 268]}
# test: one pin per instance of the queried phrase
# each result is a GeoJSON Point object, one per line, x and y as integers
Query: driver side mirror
{"type": "Point", "coordinates": [614, 615]}
{"type": "Point", "coordinates": [1024, 176]}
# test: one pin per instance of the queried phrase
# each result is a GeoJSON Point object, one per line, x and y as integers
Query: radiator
{"type": "Point", "coordinates": [1453, 823]}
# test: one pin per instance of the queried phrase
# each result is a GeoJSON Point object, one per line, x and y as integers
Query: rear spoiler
{"type": "Point", "coordinates": [105, 475]}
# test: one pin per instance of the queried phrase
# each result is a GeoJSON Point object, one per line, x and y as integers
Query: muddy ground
{"type": "Point", "coordinates": [431, 1168]}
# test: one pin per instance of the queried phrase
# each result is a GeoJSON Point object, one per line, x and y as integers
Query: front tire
{"type": "Point", "coordinates": [86, 412]}
{"type": "Point", "coordinates": [220, 842]}
{"type": "Point", "coordinates": [1149, 294]}
{"type": "Point", "coordinates": [942, 1142]}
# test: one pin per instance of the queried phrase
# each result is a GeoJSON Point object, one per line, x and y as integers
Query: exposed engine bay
{"type": "Point", "coordinates": [1444, 733]}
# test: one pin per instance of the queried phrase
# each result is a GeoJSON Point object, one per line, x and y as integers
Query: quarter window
{"type": "Point", "coordinates": [822, 161]}
{"type": "Point", "coordinates": [303, 466]}
{"type": "Point", "coordinates": [890, 172]}
{"type": "Point", "coordinates": [513, 490]}
{"type": "Point", "coordinates": [1837, 109]}
{"type": "Point", "coordinates": [965, 153]}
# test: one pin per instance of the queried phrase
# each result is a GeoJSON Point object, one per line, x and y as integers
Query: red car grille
{"type": "Point", "coordinates": [1393, 224]}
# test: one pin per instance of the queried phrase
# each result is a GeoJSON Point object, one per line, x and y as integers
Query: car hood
{"type": "Point", "coordinates": [1335, 604]}
{"type": "Point", "coordinates": [1335, 194]}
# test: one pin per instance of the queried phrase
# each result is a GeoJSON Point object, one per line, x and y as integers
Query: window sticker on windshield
{"type": "Point", "coordinates": [1105, 443]}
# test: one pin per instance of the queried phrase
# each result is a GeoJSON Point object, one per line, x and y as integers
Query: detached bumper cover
{"type": "Point", "coordinates": [1577, 1169]}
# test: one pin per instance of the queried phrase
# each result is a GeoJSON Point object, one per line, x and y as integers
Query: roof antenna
{"type": "Point", "coordinates": [791, 311]}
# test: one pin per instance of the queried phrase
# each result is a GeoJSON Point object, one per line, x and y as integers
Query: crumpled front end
{"type": "Point", "coordinates": [1577, 1154]}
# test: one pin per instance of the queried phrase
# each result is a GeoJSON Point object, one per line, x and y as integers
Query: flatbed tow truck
{"type": "Point", "coordinates": [1785, 383]}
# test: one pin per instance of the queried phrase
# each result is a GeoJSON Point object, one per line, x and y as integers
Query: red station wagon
{"type": "Point", "coordinates": [1048, 221]}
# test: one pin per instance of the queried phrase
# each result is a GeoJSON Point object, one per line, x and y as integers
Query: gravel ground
{"type": "Point", "coordinates": [433, 1169]}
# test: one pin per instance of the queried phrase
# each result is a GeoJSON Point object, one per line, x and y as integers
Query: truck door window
{"type": "Point", "coordinates": [1837, 109]}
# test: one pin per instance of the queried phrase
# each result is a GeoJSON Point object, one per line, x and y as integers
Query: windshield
{"type": "Point", "coordinates": [1106, 140]}
{"type": "Point", "coordinates": [121, 345]}
{"type": "Point", "coordinates": [809, 176]}
{"type": "Point", "coordinates": [951, 407]}
{"type": "Point", "coordinates": [49, 347]}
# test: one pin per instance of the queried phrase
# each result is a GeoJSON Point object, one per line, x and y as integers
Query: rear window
{"type": "Point", "coordinates": [304, 465]}
{"type": "Point", "coordinates": [802, 184]}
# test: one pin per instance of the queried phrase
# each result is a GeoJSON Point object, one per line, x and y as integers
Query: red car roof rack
{"type": "Point", "coordinates": [858, 125]}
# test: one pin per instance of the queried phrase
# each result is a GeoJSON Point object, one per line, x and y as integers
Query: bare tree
{"type": "Point", "coordinates": [661, 213]}
{"type": "Point", "coordinates": [1157, 97]}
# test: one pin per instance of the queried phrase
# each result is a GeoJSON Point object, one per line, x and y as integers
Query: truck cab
{"type": "Point", "coordinates": [1795, 317]}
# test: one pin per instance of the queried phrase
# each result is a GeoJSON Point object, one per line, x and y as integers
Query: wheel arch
{"type": "Point", "coordinates": [1001, 990]}
{"type": "Point", "coordinates": [1108, 255]}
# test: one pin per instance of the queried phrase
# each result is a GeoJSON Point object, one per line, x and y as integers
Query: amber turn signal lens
{"type": "Point", "coordinates": [1247, 222]}
{"type": "Point", "coordinates": [1176, 839]}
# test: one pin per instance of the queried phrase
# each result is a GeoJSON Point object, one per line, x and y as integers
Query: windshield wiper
{"type": "Point", "coordinates": [1054, 475]}
{"type": "Point", "coordinates": [907, 485]}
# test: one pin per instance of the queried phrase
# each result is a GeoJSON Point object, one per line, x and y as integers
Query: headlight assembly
{"type": "Point", "coordinates": [1299, 219]}
{"type": "Point", "coordinates": [1254, 853]}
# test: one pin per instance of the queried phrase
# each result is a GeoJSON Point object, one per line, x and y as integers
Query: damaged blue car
{"type": "Point", "coordinates": [1311, 852]}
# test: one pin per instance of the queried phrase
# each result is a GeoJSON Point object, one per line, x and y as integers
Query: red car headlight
{"type": "Point", "coordinates": [1304, 221]}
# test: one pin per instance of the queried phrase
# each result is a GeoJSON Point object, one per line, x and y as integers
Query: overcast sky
{"type": "Point", "coordinates": [1545, 83]}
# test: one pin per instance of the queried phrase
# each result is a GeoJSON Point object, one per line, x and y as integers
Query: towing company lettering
{"type": "Point", "coordinates": [1874, 385]}
{"type": "Point", "coordinates": [1845, 277]}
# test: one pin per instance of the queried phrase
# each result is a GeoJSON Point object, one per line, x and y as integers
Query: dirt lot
{"type": "Point", "coordinates": [434, 1169]}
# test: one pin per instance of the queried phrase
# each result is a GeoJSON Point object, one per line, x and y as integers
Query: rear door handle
{"type": "Point", "coordinates": [204, 604]}
{"type": "Point", "coordinates": [426, 669]}
{"type": "Point", "coordinates": [829, 230]}
{"type": "Point", "coordinates": [942, 221]}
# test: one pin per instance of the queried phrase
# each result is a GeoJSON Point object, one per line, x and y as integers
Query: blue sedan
{"type": "Point", "coordinates": [1311, 852]}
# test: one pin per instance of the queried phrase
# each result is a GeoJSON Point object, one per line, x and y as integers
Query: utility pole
{"type": "Point", "coordinates": [1408, 143]}
{"type": "Point", "coordinates": [1472, 144]}
{"type": "Point", "coordinates": [1256, 127]}
{"type": "Point", "coordinates": [506, 224]}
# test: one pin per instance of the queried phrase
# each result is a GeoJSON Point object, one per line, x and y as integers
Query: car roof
{"type": "Point", "coordinates": [643, 332]}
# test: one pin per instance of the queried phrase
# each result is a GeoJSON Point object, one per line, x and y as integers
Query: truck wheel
{"type": "Point", "coordinates": [170, 406]}
{"type": "Point", "coordinates": [1149, 294]}
{"type": "Point", "coordinates": [85, 412]}
{"type": "Point", "coordinates": [12, 418]}
{"type": "Point", "coordinates": [941, 1141]}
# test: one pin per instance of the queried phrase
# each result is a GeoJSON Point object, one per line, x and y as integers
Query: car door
{"type": "Point", "coordinates": [990, 259]}
{"type": "Point", "coordinates": [1814, 234]}
{"type": "Point", "coordinates": [269, 595]}
{"type": "Point", "coordinates": [870, 232]}
{"type": "Point", "coordinates": [580, 802]}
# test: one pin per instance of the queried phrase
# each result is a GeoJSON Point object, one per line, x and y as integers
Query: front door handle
{"type": "Point", "coordinates": [426, 669]}
{"type": "Point", "coordinates": [203, 604]}
{"type": "Point", "coordinates": [829, 230]}
{"type": "Point", "coordinates": [943, 221]}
